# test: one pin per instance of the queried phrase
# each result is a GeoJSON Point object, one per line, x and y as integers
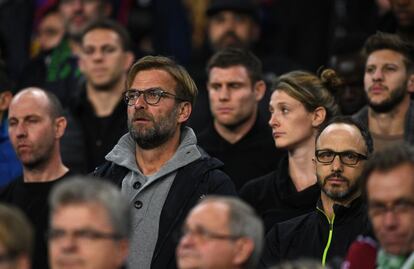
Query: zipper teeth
{"type": "Point", "coordinates": [328, 244]}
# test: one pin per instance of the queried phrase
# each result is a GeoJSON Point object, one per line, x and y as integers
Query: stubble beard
{"type": "Point", "coordinates": [158, 134]}
{"type": "Point", "coordinates": [396, 97]}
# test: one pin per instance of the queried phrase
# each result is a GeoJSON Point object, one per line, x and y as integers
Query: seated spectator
{"type": "Point", "coordinates": [300, 103]}
{"type": "Point", "coordinates": [90, 223]}
{"type": "Point", "coordinates": [238, 134]}
{"type": "Point", "coordinates": [221, 232]}
{"type": "Point", "coordinates": [388, 181]}
{"type": "Point", "coordinates": [342, 148]}
{"type": "Point", "coordinates": [16, 239]}
{"type": "Point", "coordinates": [36, 125]}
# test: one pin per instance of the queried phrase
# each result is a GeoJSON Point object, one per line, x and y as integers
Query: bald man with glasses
{"type": "Point", "coordinates": [342, 147]}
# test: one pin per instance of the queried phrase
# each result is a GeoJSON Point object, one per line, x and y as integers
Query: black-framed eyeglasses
{"type": "Point", "coordinates": [152, 96]}
{"type": "Point", "coordinates": [202, 234]}
{"type": "Point", "coordinates": [348, 157]}
{"type": "Point", "coordinates": [56, 235]}
{"type": "Point", "coordinates": [399, 207]}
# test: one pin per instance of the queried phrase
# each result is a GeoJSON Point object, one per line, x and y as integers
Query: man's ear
{"type": "Point", "coordinates": [184, 111]}
{"type": "Point", "coordinates": [259, 90]}
{"type": "Point", "coordinates": [410, 83]}
{"type": "Point", "coordinates": [60, 126]}
{"type": "Point", "coordinates": [319, 115]}
{"type": "Point", "coordinates": [242, 251]}
{"type": "Point", "coordinates": [5, 99]}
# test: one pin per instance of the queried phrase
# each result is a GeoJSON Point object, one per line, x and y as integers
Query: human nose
{"type": "Point", "coordinates": [390, 218]}
{"type": "Point", "coordinates": [273, 121]}
{"type": "Point", "coordinates": [337, 164]}
{"type": "Point", "coordinates": [224, 93]}
{"type": "Point", "coordinates": [378, 75]}
{"type": "Point", "coordinates": [21, 130]}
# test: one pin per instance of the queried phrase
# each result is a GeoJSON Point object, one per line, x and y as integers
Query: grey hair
{"type": "Point", "coordinates": [243, 222]}
{"type": "Point", "coordinates": [83, 190]}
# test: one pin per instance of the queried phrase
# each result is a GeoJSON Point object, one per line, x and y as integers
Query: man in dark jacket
{"type": "Point", "coordinates": [158, 165]}
{"type": "Point", "coordinates": [342, 147]}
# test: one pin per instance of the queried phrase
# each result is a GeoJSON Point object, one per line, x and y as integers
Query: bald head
{"type": "Point", "coordinates": [48, 99]}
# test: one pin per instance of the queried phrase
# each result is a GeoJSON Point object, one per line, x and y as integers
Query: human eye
{"type": "Point", "coordinates": [88, 50]}
{"type": "Point", "coordinates": [108, 49]}
{"type": "Point", "coordinates": [214, 86]}
{"type": "Point", "coordinates": [370, 69]}
{"type": "Point", "coordinates": [12, 122]}
{"type": "Point", "coordinates": [350, 156]}
{"type": "Point", "coordinates": [390, 67]}
{"type": "Point", "coordinates": [325, 155]}
{"type": "Point", "coordinates": [235, 85]}
{"type": "Point", "coordinates": [403, 206]}
{"type": "Point", "coordinates": [87, 234]}
{"type": "Point", "coordinates": [56, 234]}
{"type": "Point", "coordinates": [32, 120]}
{"type": "Point", "coordinates": [376, 209]}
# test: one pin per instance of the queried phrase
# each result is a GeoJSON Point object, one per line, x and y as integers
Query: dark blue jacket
{"type": "Point", "coordinates": [10, 166]}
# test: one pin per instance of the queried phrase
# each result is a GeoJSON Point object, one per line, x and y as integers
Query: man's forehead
{"type": "Point", "coordinates": [36, 98]}
{"type": "Point", "coordinates": [385, 56]}
{"type": "Point", "coordinates": [339, 135]}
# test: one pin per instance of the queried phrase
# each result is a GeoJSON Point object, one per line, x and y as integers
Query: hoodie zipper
{"type": "Point", "coordinates": [328, 244]}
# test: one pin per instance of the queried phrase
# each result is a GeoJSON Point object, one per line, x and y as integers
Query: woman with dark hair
{"type": "Point", "coordinates": [300, 103]}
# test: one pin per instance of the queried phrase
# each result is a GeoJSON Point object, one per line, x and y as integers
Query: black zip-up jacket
{"type": "Point", "coordinates": [192, 182]}
{"type": "Point", "coordinates": [315, 236]}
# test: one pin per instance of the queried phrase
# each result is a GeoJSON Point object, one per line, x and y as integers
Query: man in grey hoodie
{"type": "Point", "coordinates": [158, 164]}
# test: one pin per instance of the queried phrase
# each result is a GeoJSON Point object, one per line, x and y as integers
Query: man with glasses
{"type": "Point", "coordinates": [223, 233]}
{"type": "Point", "coordinates": [97, 111]}
{"type": "Point", "coordinates": [158, 164]}
{"type": "Point", "coordinates": [90, 223]}
{"type": "Point", "coordinates": [342, 148]}
{"type": "Point", "coordinates": [388, 181]}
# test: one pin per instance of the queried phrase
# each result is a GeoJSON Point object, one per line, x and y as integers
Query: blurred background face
{"type": "Point", "coordinates": [404, 12]}
{"type": "Point", "coordinates": [8, 261]}
{"type": "Point", "coordinates": [70, 251]}
{"type": "Point", "coordinates": [233, 99]}
{"type": "Point", "coordinates": [391, 208]}
{"type": "Point", "coordinates": [103, 60]}
{"type": "Point", "coordinates": [291, 123]}
{"type": "Point", "coordinates": [231, 29]}
{"type": "Point", "coordinates": [196, 249]}
{"type": "Point", "coordinates": [50, 31]}
{"type": "Point", "coordinates": [77, 14]}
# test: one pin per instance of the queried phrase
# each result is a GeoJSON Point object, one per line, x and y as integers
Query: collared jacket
{"type": "Point", "coordinates": [315, 236]}
{"type": "Point", "coordinates": [362, 116]}
{"type": "Point", "coordinates": [192, 182]}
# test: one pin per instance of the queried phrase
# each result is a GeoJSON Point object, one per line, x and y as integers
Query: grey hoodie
{"type": "Point", "coordinates": [147, 194]}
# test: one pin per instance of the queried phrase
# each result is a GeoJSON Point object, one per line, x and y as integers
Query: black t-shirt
{"type": "Point", "coordinates": [32, 199]}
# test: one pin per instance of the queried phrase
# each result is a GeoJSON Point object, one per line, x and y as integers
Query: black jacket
{"type": "Point", "coordinates": [313, 236]}
{"type": "Point", "coordinates": [275, 198]}
{"type": "Point", "coordinates": [192, 182]}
